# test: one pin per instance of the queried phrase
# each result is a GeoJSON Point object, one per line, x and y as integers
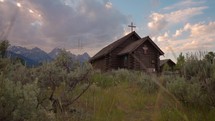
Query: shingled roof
{"type": "Point", "coordinates": [130, 48]}
{"type": "Point", "coordinates": [112, 46]}
{"type": "Point", "coordinates": [162, 62]}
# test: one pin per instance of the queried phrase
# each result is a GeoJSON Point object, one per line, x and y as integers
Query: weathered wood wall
{"type": "Point", "coordinates": [115, 61]}
{"type": "Point", "coordinates": [149, 59]}
{"type": "Point", "coordinates": [99, 64]}
{"type": "Point", "coordinates": [137, 60]}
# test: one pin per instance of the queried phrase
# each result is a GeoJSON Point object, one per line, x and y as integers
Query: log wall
{"type": "Point", "coordinates": [149, 59]}
{"type": "Point", "coordinates": [115, 61]}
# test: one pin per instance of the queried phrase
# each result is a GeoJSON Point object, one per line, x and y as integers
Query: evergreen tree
{"type": "Point", "coordinates": [180, 61]}
{"type": "Point", "coordinates": [210, 57]}
{"type": "Point", "coordinates": [3, 48]}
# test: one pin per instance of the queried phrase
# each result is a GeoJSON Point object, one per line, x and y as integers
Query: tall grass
{"type": "Point", "coordinates": [118, 95]}
{"type": "Point", "coordinates": [124, 95]}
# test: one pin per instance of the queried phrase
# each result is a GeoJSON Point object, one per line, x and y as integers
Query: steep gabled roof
{"type": "Point", "coordinates": [112, 46]}
{"type": "Point", "coordinates": [130, 48]}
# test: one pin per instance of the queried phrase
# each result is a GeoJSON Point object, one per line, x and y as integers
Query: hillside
{"type": "Point", "coordinates": [63, 90]}
{"type": "Point", "coordinates": [135, 97]}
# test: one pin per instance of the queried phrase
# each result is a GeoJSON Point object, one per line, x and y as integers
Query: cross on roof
{"type": "Point", "coordinates": [132, 26]}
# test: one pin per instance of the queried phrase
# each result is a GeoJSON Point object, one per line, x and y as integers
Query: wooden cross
{"type": "Point", "coordinates": [145, 48]}
{"type": "Point", "coordinates": [132, 26]}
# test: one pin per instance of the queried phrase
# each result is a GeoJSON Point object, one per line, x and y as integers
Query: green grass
{"type": "Point", "coordinates": [128, 102]}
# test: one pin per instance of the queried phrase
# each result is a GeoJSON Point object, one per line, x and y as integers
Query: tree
{"type": "Point", "coordinates": [210, 57]}
{"type": "Point", "coordinates": [3, 48]}
{"type": "Point", "coordinates": [42, 93]}
{"type": "Point", "coordinates": [17, 100]}
{"type": "Point", "coordinates": [65, 61]}
{"type": "Point", "coordinates": [180, 61]}
{"type": "Point", "coordinates": [61, 83]}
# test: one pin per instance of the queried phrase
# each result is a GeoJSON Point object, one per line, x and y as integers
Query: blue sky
{"type": "Point", "coordinates": [153, 18]}
{"type": "Point", "coordinates": [174, 25]}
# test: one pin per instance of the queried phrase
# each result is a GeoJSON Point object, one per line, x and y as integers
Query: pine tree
{"type": "Point", "coordinates": [3, 48]}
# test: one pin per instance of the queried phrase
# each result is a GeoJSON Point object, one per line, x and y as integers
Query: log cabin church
{"type": "Point", "coordinates": [129, 52]}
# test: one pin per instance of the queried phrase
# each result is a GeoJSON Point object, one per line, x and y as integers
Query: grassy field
{"type": "Point", "coordinates": [54, 92]}
{"type": "Point", "coordinates": [129, 101]}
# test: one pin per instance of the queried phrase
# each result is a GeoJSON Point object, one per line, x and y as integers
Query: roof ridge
{"type": "Point", "coordinates": [125, 37]}
{"type": "Point", "coordinates": [139, 42]}
{"type": "Point", "coordinates": [113, 45]}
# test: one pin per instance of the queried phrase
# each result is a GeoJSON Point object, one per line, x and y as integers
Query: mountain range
{"type": "Point", "coordinates": [35, 56]}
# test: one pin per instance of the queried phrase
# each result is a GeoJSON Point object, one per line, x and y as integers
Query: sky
{"type": "Point", "coordinates": [89, 25]}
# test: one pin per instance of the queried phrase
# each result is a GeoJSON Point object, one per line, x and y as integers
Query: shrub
{"type": "Point", "coordinates": [18, 102]}
{"type": "Point", "coordinates": [148, 83]}
{"type": "Point", "coordinates": [104, 80]}
{"type": "Point", "coordinates": [114, 77]}
{"type": "Point", "coordinates": [124, 75]}
{"type": "Point", "coordinates": [43, 93]}
{"type": "Point", "coordinates": [178, 88]}
{"type": "Point", "coordinates": [186, 92]}
{"type": "Point", "coordinates": [195, 66]}
{"type": "Point", "coordinates": [60, 88]}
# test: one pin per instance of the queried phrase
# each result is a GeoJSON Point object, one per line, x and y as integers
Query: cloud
{"type": "Point", "coordinates": [159, 21]}
{"type": "Point", "coordinates": [184, 4]}
{"type": "Point", "coordinates": [163, 37]}
{"type": "Point", "coordinates": [185, 14]}
{"type": "Point", "coordinates": [178, 33]}
{"type": "Point", "coordinates": [200, 37]}
{"type": "Point", "coordinates": [62, 23]}
{"type": "Point", "coordinates": [201, 29]}
{"type": "Point", "coordinates": [108, 5]}
{"type": "Point", "coordinates": [175, 31]}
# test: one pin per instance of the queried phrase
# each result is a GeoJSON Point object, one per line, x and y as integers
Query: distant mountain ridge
{"type": "Point", "coordinates": [28, 62]}
{"type": "Point", "coordinates": [54, 53]}
{"type": "Point", "coordinates": [36, 56]}
{"type": "Point", "coordinates": [81, 58]}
